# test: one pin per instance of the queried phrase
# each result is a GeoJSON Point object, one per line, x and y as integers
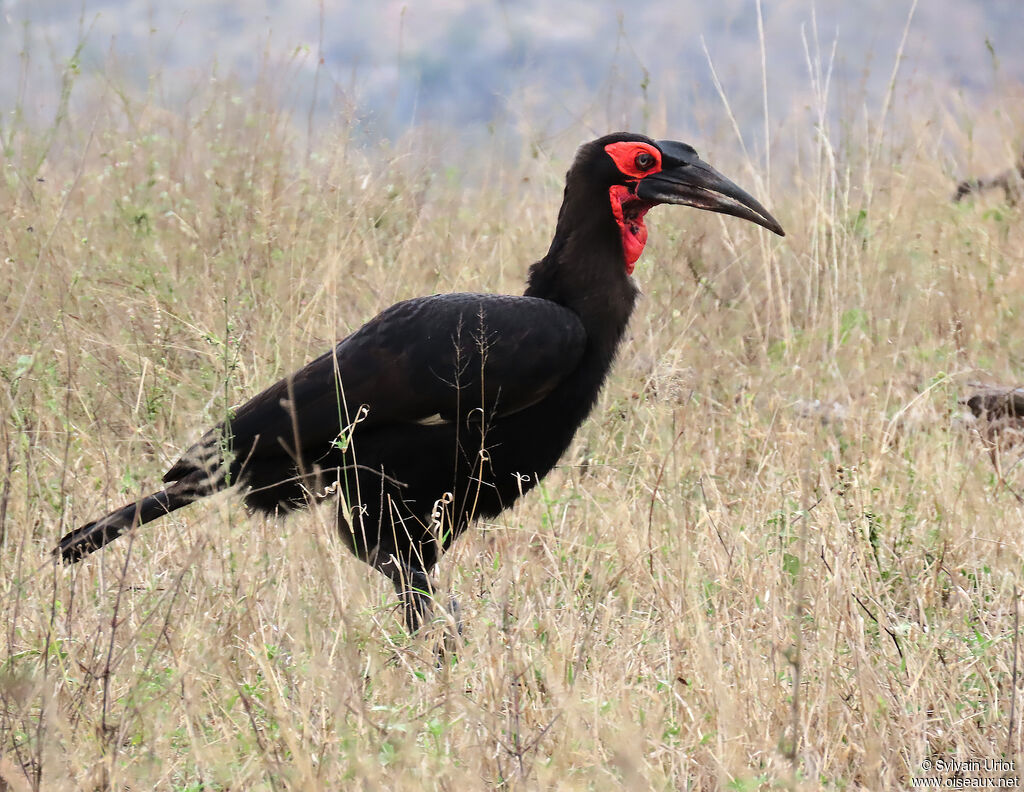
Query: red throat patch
{"type": "Point", "coordinates": [629, 213]}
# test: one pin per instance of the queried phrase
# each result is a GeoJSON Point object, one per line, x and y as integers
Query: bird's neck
{"type": "Point", "coordinates": [585, 270]}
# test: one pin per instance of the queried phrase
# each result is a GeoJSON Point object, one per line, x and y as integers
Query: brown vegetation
{"type": "Point", "coordinates": [715, 589]}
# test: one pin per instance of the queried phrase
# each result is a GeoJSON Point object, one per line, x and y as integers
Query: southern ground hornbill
{"type": "Point", "coordinates": [445, 409]}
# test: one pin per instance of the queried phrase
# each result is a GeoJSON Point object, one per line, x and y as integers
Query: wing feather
{"type": "Point", "coordinates": [420, 361]}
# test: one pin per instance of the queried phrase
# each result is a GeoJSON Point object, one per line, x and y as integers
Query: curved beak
{"type": "Point", "coordinates": [687, 180]}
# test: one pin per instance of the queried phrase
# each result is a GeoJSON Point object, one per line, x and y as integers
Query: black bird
{"type": "Point", "coordinates": [1009, 180]}
{"type": "Point", "coordinates": [445, 409]}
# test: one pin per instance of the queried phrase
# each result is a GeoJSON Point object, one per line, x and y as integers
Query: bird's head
{"type": "Point", "coordinates": [640, 173]}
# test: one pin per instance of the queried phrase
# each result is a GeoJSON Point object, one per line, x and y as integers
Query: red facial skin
{"type": "Point", "coordinates": [624, 155]}
{"type": "Point", "coordinates": [627, 209]}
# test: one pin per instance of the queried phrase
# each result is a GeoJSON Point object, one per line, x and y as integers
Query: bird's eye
{"type": "Point", "coordinates": [644, 160]}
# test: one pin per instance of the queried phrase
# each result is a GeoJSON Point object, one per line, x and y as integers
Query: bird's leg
{"type": "Point", "coordinates": [414, 589]}
{"type": "Point", "coordinates": [417, 594]}
{"type": "Point", "coordinates": [455, 611]}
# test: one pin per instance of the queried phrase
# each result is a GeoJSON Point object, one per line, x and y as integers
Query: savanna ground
{"type": "Point", "coordinates": [775, 557]}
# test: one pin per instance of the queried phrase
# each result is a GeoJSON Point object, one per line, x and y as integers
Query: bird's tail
{"type": "Point", "coordinates": [91, 537]}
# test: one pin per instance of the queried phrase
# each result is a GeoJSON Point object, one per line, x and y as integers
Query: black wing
{"type": "Point", "coordinates": [431, 358]}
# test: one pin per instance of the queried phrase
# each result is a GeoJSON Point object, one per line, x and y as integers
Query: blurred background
{"type": "Point", "coordinates": [528, 68]}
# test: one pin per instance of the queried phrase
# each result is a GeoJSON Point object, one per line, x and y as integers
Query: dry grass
{"type": "Point", "coordinates": [773, 558]}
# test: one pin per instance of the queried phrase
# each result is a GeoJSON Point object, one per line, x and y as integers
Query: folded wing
{"type": "Point", "coordinates": [432, 359]}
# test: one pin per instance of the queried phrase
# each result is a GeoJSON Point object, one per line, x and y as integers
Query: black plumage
{"type": "Point", "coordinates": [445, 409]}
{"type": "Point", "coordinates": [1010, 181]}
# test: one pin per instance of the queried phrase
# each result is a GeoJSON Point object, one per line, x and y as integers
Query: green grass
{"type": "Point", "coordinates": [717, 588]}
